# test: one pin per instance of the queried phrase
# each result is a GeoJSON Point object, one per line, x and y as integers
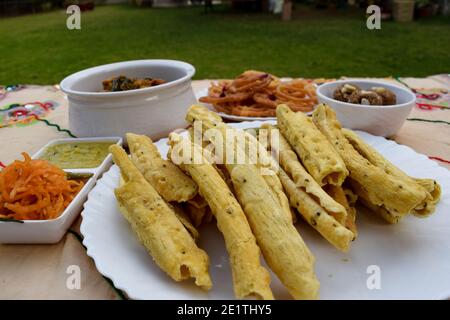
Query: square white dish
{"type": "Point", "coordinates": [51, 231]}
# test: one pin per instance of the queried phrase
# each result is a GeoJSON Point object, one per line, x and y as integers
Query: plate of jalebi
{"type": "Point", "coordinates": [254, 95]}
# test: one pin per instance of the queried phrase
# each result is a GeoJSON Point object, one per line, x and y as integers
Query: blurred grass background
{"type": "Point", "coordinates": [40, 49]}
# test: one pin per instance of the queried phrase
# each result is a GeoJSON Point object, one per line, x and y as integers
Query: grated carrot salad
{"type": "Point", "coordinates": [34, 189]}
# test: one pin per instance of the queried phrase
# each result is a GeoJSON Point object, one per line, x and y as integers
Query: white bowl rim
{"type": "Point", "coordinates": [374, 83]}
{"type": "Point", "coordinates": [66, 82]}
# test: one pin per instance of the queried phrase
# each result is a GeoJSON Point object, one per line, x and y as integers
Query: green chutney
{"type": "Point", "coordinates": [72, 155]}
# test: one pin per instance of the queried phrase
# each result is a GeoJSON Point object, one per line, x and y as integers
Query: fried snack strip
{"type": "Point", "coordinates": [210, 120]}
{"type": "Point", "coordinates": [157, 227]}
{"type": "Point", "coordinates": [198, 210]}
{"type": "Point", "coordinates": [433, 189]}
{"type": "Point", "coordinates": [179, 211]}
{"type": "Point", "coordinates": [205, 148]}
{"type": "Point", "coordinates": [210, 157]}
{"type": "Point", "coordinates": [313, 213]}
{"type": "Point", "coordinates": [316, 153]}
{"type": "Point", "coordinates": [269, 171]}
{"type": "Point", "coordinates": [185, 220]}
{"type": "Point", "coordinates": [181, 215]}
{"type": "Point", "coordinates": [201, 113]}
{"type": "Point", "coordinates": [398, 196]}
{"type": "Point", "coordinates": [310, 199]}
{"type": "Point", "coordinates": [302, 179]}
{"type": "Point", "coordinates": [249, 277]}
{"type": "Point", "coordinates": [270, 167]}
{"type": "Point", "coordinates": [340, 196]}
{"type": "Point", "coordinates": [351, 210]}
{"type": "Point", "coordinates": [281, 244]}
{"type": "Point", "coordinates": [170, 182]}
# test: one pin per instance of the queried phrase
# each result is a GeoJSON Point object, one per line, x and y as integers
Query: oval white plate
{"type": "Point", "coordinates": [410, 260]}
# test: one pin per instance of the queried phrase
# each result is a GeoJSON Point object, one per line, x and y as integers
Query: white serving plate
{"type": "Point", "coordinates": [51, 231]}
{"type": "Point", "coordinates": [413, 256]}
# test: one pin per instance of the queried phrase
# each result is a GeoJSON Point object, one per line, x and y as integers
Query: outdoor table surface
{"type": "Point", "coordinates": [41, 271]}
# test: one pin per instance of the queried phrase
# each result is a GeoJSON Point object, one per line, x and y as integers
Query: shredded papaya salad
{"type": "Point", "coordinates": [35, 189]}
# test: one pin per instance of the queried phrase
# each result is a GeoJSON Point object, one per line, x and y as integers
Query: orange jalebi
{"type": "Point", "coordinates": [34, 189]}
{"type": "Point", "coordinates": [257, 94]}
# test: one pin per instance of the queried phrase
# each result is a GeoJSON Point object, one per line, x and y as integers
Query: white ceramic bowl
{"type": "Point", "coordinates": [153, 111]}
{"type": "Point", "coordinates": [378, 120]}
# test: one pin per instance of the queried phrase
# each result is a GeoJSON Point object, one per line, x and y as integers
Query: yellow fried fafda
{"type": "Point", "coordinates": [170, 182]}
{"type": "Point", "coordinates": [431, 186]}
{"type": "Point", "coordinates": [314, 150]}
{"type": "Point", "coordinates": [157, 227]}
{"type": "Point", "coordinates": [185, 220]}
{"type": "Point", "coordinates": [249, 277]}
{"type": "Point", "coordinates": [320, 210]}
{"type": "Point", "coordinates": [210, 120]}
{"type": "Point", "coordinates": [282, 246]}
{"type": "Point", "coordinates": [347, 198]}
{"type": "Point", "coordinates": [379, 185]}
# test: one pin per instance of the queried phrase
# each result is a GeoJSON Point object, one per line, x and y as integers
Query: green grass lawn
{"type": "Point", "coordinates": [39, 49]}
